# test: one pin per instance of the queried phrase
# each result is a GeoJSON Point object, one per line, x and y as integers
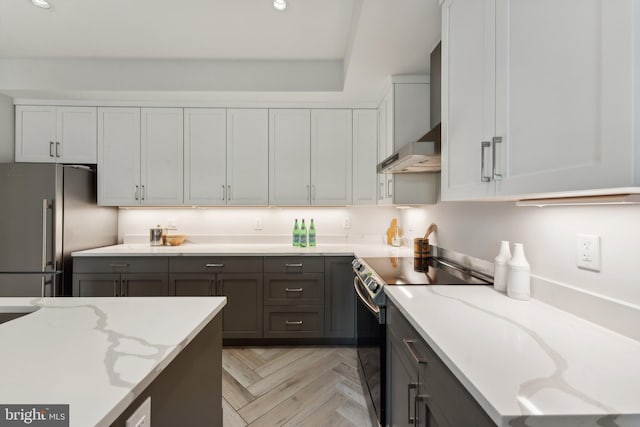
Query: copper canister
{"type": "Point", "coordinates": [420, 247]}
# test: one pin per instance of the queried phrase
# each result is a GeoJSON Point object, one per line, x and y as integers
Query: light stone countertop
{"type": "Point", "coordinates": [526, 362]}
{"type": "Point", "coordinates": [247, 249]}
{"type": "Point", "coordinates": [95, 354]}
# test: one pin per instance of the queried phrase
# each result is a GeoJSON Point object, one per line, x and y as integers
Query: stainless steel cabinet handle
{"type": "Point", "coordinates": [222, 192]}
{"type": "Point", "coordinates": [484, 144]}
{"type": "Point", "coordinates": [144, 193]}
{"type": "Point", "coordinates": [293, 265]}
{"type": "Point", "coordinates": [119, 265]}
{"type": "Point", "coordinates": [45, 207]}
{"type": "Point", "coordinates": [389, 187]}
{"type": "Point", "coordinates": [137, 194]}
{"type": "Point", "coordinates": [496, 140]}
{"type": "Point", "coordinates": [57, 149]}
{"type": "Point", "coordinates": [293, 289]}
{"type": "Point", "coordinates": [293, 322]}
{"type": "Point", "coordinates": [42, 287]}
{"type": "Point", "coordinates": [410, 386]}
{"type": "Point", "coordinates": [410, 344]}
{"type": "Point", "coordinates": [50, 148]}
{"type": "Point", "coordinates": [214, 265]}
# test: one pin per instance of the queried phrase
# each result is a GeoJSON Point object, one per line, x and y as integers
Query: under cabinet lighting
{"type": "Point", "coordinates": [279, 5]}
{"type": "Point", "coordinates": [614, 199]}
{"type": "Point", "coordinates": [44, 4]}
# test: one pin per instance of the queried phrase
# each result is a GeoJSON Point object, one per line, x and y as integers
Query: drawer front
{"type": "Point", "coordinates": [215, 264]}
{"type": "Point", "coordinates": [299, 264]}
{"type": "Point", "coordinates": [294, 289]}
{"type": "Point", "coordinates": [120, 265]}
{"type": "Point", "coordinates": [293, 322]}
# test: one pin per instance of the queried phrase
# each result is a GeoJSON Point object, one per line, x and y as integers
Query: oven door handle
{"type": "Point", "coordinates": [372, 308]}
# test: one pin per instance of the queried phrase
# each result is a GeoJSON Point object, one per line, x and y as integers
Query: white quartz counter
{"type": "Point", "coordinates": [95, 354]}
{"type": "Point", "coordinates": [525, 362]}
{"type": "Point", "coordinates": [246, 249]}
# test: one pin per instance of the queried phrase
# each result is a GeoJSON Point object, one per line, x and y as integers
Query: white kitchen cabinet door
{"type": "Point", "coordinates": [205, 156]}
{"type": "Point", "coordinates": [564, 89]}
{"type": "Point", "coordinates": [331, 157]}
{"type": "Point", "coordinates": [247, 157]}
{"type": "Point", "coordinates": [76, 131]}
{"type": "Point", "coordinates": [36, 134]}
{"type": "Point", "coordinates": [468, 98]}
{"type": "Point", "coordinates": [161, 169]}
{"type": "Point", "coordinates": [365, 158]}
{"type": "Point", "coordinates": [289, 157]}
{"type": "Point", "coordinates": [119, 156]}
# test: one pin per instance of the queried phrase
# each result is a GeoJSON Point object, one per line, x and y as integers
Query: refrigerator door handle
{"type": "Point", "coordinates": [45, 207]}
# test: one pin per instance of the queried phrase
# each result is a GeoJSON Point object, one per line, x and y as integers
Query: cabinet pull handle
{"type": "Point", "coordinates": [496, 140]}
{"type": "Point", "coordinates": [222, 192]}
{"type": "Point", "coordinates": [115, 288]}
{"type": "Point", "coordinates": [137, 192]}
{"type": "Point", "coordinates": [410, 386]}
{"type": "Point", "coordinates": [50, 148]}
{"type": "Point", "coordinates": [144, 193]}
{"type": "Point", "coordinates": [57, 149]}
{"type": "Point", "coordinates": [293, 289]}
{"type": "Point", "coordinates": [389, 187]}
{"type": "Point", "coordinates": [484, 144]}
{"type": "Point", "coordinates": [293, 265]}
{"type": "Point", "coordinates": [410, 344]}
{"type": "Point", "coordinates": [214, 265]}
{"type": "Point", "coordinates": [228, 192]}
{"type": "Point", "coordinates": [293, 322]}
{"type": "Point", "coordinates": [119, 265]}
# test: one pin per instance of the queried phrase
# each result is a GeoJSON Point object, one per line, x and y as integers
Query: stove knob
{"type": "Point", "coordinates": [373, 285]}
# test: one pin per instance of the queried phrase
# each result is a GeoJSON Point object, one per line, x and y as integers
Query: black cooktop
{"type": "Point", "coordinates": [421, 271]}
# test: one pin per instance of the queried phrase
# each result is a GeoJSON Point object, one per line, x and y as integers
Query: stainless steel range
{"type": "Point", "coordinates": [371, 276]}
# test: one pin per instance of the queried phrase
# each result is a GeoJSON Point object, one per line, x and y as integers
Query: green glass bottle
{"type": "Point", "coordinates": [312, 233]}
{"type": "Point", "coordinates": [303, 235]}
{"type": "Point", "coordinates": [296, 234]}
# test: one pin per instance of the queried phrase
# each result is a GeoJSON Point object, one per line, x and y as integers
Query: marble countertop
{"type": "Point", "coordinates": [525, 362]}
{"type": "Point", "coordinates": [95, 354]}
{"type": "Point", "coordinates": [247, 249]}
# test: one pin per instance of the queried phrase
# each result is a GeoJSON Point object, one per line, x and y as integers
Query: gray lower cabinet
{"type": "Point", "coordinates": [340, 298]}
{"type": "Point", "coordinates": [122, 276]}
{"type": "Point", "coordinates": [237, 278]}
{"type": "Point", "coordinates": [421, 390]}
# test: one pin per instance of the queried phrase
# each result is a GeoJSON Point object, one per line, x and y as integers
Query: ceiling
{"type": "Point", "coordinates": [69, 50]}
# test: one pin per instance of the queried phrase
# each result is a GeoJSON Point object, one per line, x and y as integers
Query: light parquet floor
{"type": "Point", "coordinates": [284, 386]}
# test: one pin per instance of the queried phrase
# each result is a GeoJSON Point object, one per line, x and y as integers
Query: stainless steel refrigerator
{"type": "Point", "coordinates": [48, 211]}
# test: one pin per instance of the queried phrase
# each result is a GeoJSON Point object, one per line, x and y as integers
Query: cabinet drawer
{"type": "Point", "coordinates": [300, 264]}
{"type": "Point", "coordinates": [120, 265]}
{"type": "Point", "coordinates": [293, 322]}
{"type": "Point", "coordinates": [294, 289]}
{"type": "Point", "coordinates": [215, 264]}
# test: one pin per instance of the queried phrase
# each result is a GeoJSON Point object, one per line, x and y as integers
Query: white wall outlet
{"type": "Point", "coordinates": [588, 252]}
{"type": "Point", "coordinates": [142, 416]}
{"type": "Point", "coordinates": [172, 223]}
{"type": "Point", "coordinates": [346, 222]}
{"type": "Point", "coordinates": [257, 225]}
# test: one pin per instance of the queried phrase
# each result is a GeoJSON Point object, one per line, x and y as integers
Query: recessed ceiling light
{"type": "Point", "coordinates": [41, 3]}
{"type": "Point", "coordinates": [277, 5]}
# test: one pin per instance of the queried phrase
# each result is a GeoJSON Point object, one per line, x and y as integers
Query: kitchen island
{"type": "Point", "coordinates": [104, 356]}
{"type": "Point", "coordinates": [525, 362]}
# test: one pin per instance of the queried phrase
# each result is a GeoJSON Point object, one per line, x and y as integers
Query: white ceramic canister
{"type": "Point", "coordinates": [500, 267]}
{"type": "Point", "coordinates": [519, 275]}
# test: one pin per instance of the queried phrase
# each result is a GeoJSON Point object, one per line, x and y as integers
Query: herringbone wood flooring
{"type": "Point", "coordinates": [301, 386]}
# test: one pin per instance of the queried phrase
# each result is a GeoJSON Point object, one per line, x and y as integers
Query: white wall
{"type": "Point", "coordinates": [7, 124]}
{"type": "Point", "coordinates": [366, 223]}
{"type": "Point", "coordinates": [549, 237]}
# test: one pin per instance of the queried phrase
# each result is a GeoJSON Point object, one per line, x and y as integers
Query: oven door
{"type": "Point", "coordinates": [370, 338]}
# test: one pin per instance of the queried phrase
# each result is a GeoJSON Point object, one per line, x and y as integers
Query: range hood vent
{"type": "Point", "coordinates": [420, 156]}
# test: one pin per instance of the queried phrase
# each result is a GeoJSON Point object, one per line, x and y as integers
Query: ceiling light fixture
{"type": "Point", "coordinates": [44, 4]}
{"type": "Point", "coordinates": [279, 5]}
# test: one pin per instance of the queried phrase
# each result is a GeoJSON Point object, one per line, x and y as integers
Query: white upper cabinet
{"type": "Point", "coordinates": [385, 149]}
{"type": "Point", "coordinates": [161, 156]}
{"type": "Point", "coordinates": [365, 157]}
{"type": "Point", "coordinates": [119, 156]}
{"type": "Point", "coordinates": [49, 134]}
{"type": "Point", "coordinates": [290, 157]}
{"type": "Point", "coordinates": [331, 157]}
{"type": "Point", "coordinates": [247, 157]}
{"type": "Point", "coordinates": [205, 156]}
{"type": "Point", "coordinates": [537, 97]}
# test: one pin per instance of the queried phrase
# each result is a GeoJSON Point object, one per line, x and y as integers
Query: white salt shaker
{"type": "Point", "coordinates": [500, 267]}
{"type": "Point", "coordinates": [519, 275]}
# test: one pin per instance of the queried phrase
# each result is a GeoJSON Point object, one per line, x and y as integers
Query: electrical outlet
{"type": "Point", "coordinates": [142, 416]}
{"type": "Point", "coordinates": [588, 252]}
{"type": "Point", "coordinates": [258, 223]}
{"type": "Point", "coordinates": [346, 223]}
